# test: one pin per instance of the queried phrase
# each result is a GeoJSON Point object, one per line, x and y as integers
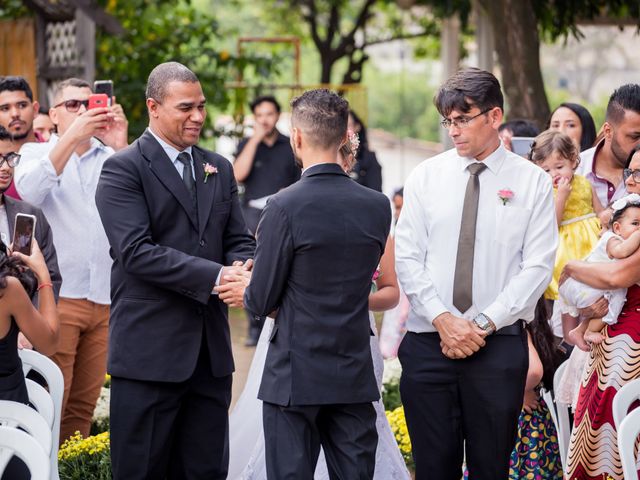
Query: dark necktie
{"type": "Point", "coordinates": [463, 279]}
{"type": "Point", "coordinates": [187, 176]}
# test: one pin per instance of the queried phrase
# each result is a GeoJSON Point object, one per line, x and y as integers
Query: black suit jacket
{"type": "Point", "coordinates": [43, 236]}
{"type": "Point", "coordinates": [166, 260]}
{"type": "Point", "coordinates": [319, 243]}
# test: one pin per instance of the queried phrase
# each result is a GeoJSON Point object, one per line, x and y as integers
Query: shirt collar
{"type": "Point", "coordinates": [171, 151]}
{"type": "Point", "coordinates": [598, 147]}
{"type": "Point", "coordinates": [493, 162]}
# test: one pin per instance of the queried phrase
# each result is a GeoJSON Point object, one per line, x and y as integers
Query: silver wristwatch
{"type": "Point", "coordinates": [484, 323]}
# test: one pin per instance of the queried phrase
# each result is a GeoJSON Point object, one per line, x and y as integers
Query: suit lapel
{"type": "Point", "coordinates": [166, 172]}
{"type": "Point", "coordinates": [205, 192]}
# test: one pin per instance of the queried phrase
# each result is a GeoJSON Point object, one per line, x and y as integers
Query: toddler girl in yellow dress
{"type": "Point", "coordinates": [576, 203]}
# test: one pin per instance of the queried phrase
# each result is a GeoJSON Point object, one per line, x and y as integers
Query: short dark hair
{"type": "Point", "coordinates": [70, 82]}
{"type": "Point", "coordinates": [165, 73]}
{"type": "Point", "coordinates": [5, 135]}
{"type": "Point", "coordinates": [618, 214]}
{"type": "Point", "coordinates": [520, 128]}
{"type": "Point", "coordinates": [586, 121]}
{"type": "Point", "coordinates": [43, 111]}
{"type": "Point", "coordinates": [265, 98]}
{"type": "Point", "coordinates": [627, 97]}
{"type": "Point", "coordinates": [634, 150]}
{"type": "Point", "coordinates": [322, 115]}
{"type": "Point", "coordinates": [468, 88]}
{"type": "Point", "coordinates": [399, 192]}
{"type": "Point", "coordinates": [16, 84]}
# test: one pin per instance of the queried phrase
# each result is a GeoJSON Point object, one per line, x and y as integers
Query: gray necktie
{"type": "Point", "coordinates": [187, 176]}
{"type": "Point", "coordinates": [463, 279]}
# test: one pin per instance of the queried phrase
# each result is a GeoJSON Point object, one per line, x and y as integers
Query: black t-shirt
{"type": "Point", "coordinates": [273, 169]}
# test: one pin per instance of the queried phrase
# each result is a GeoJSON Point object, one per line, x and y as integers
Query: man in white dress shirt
{"type": "Point", "coordinates": [475, 247]}
{"type": "Point", "coordinates": [60, 177]}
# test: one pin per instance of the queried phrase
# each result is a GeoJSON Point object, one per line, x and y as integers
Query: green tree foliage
{"type": "Point", "coordinates": [160, 31]}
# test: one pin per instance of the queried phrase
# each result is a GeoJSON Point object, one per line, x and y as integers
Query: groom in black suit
{"type": "Point", "coordinates": [171, 213]}
{"type": "Point", "coordinates": [319, 243]}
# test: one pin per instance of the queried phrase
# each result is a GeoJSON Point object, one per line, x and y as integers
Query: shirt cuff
{"type": "Point", "coordinates": [499, 315]}
{"type": "Point", "coordinates": [434, 308]}
{"type": "Point", "coordinates": [49, 169]}
{"type": "Point", "coordinates": [213, 292]}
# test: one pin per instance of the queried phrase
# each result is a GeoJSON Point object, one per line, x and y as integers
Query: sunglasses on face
{"type": "Point", "coordinates": [12, 159]}
{"type": "Point", "coordinates": [72, 106]}
{"type": "Point", "coordinates": [627, 172]}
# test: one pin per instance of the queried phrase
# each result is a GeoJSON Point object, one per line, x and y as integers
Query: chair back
{"type": "Point", "coordinates": [627, 437]}
{"type": "Point", "coordinates": [26, 448]}
{"type": "Point", "coordinates": [563, 425]}
{"type": "Point", "coordinates": [32, 360]}
{"type": "Point", "coordinates": [40, 399]}
{"type": "Point", "coordinates": [629, 393]}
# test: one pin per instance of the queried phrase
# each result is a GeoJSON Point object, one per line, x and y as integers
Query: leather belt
{"type": "Point", "coordinates": [514, 329]}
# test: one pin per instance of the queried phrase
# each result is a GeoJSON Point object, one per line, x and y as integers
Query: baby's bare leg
{"type": "Point", "coordinates": [594, 331]}
{"type": "Point", "coordinates": [575, 336]}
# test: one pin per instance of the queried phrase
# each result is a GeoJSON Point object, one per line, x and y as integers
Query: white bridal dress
{"type": "Point", "coordinates": [246, 439]}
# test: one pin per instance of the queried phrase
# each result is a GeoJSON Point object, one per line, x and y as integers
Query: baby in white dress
{"type": "Point", "coordinates": [620, 242]}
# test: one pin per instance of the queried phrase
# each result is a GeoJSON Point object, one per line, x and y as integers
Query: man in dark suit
{"type": "Point", "coordinates": [9, 159]}
{"type": "Point", "coordinates": [172, 216]}
{"type": "Point", "coordinates": [319, 243]}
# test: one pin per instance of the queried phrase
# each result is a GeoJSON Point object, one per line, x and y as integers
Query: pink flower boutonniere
{"type": "Point", "coordinates": [505, 195]}
{"type": "Point", "coordinates": [209, 170]}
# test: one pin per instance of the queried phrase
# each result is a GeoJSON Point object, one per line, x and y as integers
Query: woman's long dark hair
{"type": "Point", "coordinates": [12, 267]}
{"type": "Point", "coordinates": [543, 341]}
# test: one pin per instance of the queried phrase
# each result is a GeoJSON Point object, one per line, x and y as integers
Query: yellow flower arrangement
{"type": "Point", "coordinates": [399, 428]}
{"type": "Point", "coordinates": [83, 458]}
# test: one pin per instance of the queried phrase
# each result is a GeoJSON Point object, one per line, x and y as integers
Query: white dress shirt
{"type": "Point", "coordinates": [515, 243]}
{"type": "Point", "coordinates": [68, 202]}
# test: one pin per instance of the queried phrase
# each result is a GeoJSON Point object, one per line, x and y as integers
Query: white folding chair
{"type": "Point", "coordinates": [39, 363]}
{"type": "Point", "coordinates": [563, 425]}
{"type": "Point", "coordinates": [18, 415]}
{"type": "Point", "coordinates": [627, 436]}
{"type": "Point", "coordinates": [41, 401]}
{"type": "Point", "coordinates": [623, 399]}
{"type": "Point", "coordinates": [24, 446]}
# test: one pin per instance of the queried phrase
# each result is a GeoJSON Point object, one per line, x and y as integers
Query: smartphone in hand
{"type": "Point", "coordinates": [104, 86]}
{"type": "Point", "coordinates": [23, 231]}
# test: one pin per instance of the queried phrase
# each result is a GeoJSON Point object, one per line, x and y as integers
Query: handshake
{"type": "Point", "coordinates": [233, 282]}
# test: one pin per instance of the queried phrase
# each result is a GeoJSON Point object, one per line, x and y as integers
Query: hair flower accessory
{"type": "Point", "coordinates": [505, 195]}
{"type": "Point", "coordinates": [632, 199]}
{"type": "Point", "coordinates": [353, 141]}
{"type": "Point", "coordinates": [209, 170]}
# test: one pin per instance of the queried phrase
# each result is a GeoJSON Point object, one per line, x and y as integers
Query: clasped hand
{"type": "Point", "coordinates": [459, 338]}
{"type": "Point", "coordinates": [233, 282]}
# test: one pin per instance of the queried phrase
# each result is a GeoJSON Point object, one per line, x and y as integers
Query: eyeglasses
{"type": "Point", "coordinates": [12, 159]}
{"type": "Point", "coordinates": [462, 122]}
{"type": "Point", "coordinates": [627, 172]}
{"type": "Point", "coordinates": [73, 106]}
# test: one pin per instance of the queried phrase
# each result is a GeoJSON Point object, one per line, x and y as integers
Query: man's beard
{"type": "Point", "coordinates": [618, 153]}
{"type": "Point", "coordinates": [21, 136]}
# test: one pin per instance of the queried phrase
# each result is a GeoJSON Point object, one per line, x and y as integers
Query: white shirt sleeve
{"type": "Point", "coordinates": [35, 175]}
{"type": "Point", "coordinates": [539, 251]}
{"type": "Point", "coordinates": [411, 252]}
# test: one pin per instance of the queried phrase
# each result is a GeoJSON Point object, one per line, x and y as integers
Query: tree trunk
{"type": "Point", "coordinates": [515, 30]}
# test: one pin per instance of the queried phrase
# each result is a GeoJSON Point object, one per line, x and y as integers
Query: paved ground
{"type": "Point", "coordinates": [241, 354]}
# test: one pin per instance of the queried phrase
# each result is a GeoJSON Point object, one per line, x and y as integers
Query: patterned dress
{"type": "Point", "coordinates": [536, 455]}
{"type": "Point", "coordinates": [578, 232]}
{"type": "Point", "coordinates": [593, 450]}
